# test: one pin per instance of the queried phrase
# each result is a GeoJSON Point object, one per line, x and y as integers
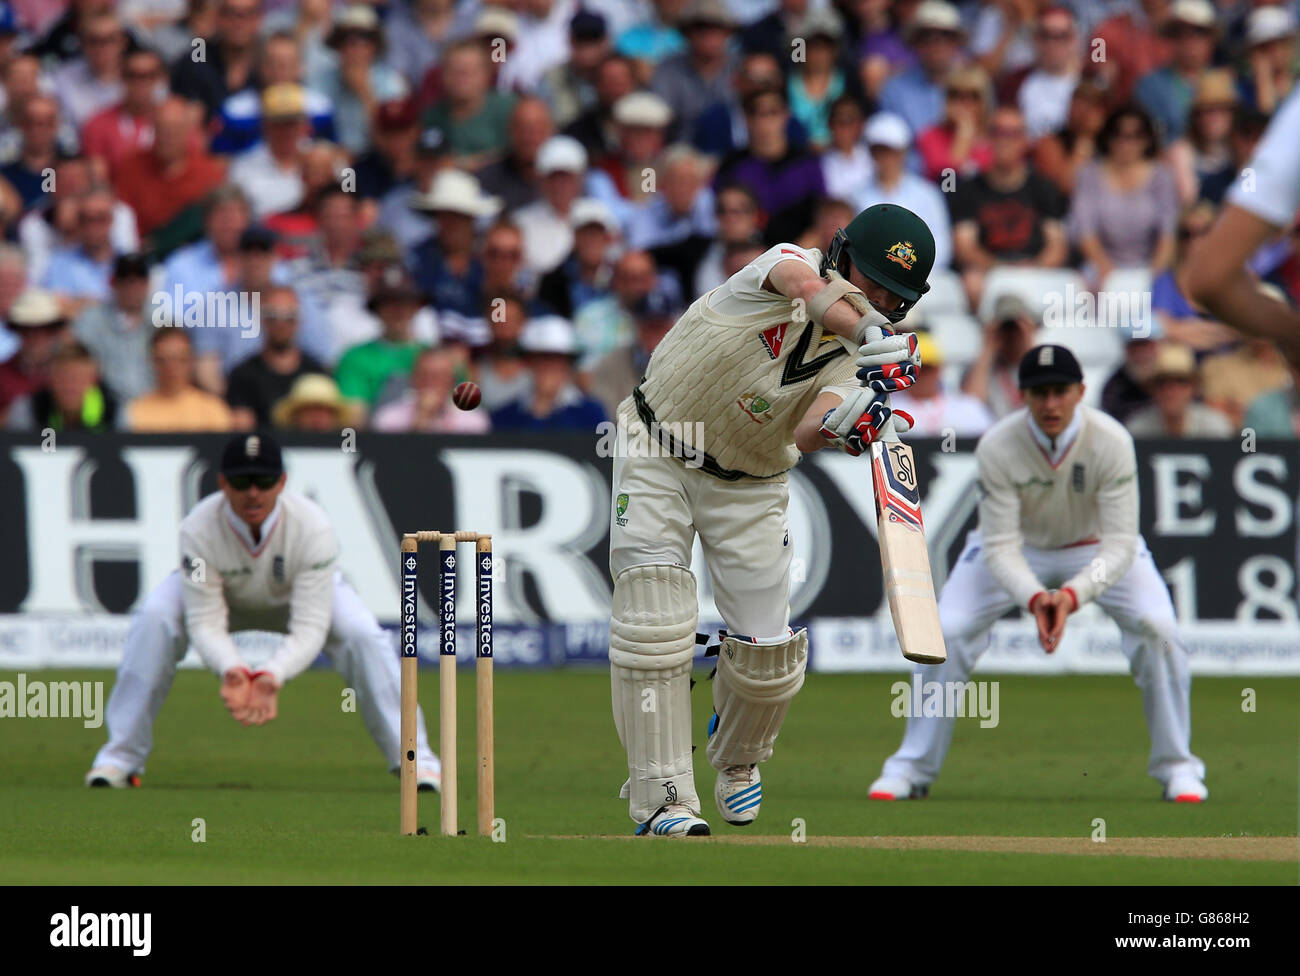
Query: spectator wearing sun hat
{"type": "Point", "coordinates": [936, 35]}
{"type": "Point", "coordinates": [692, 81]}
{"type": "Point", "coordinates": [446, 266]}
{"type": "Point", "coordinates": [270, 173]}
{"type": "Point", "coordinates": [585, 275]}
{"type": "Point", "coordinates": [1174, 412]}
{"type": "Point", "coordinates": [1271, 54]}
{"type": "Point", "coordinates": [553, 401]}
{"type": "Point", "coordinates": [358, 82]}
{"type": "Point", "coordinates": [315, 405]}
{"type": "Point", "coordinates": [561, 172]}
{"type": "Point", "coordinates": [1166, 93]}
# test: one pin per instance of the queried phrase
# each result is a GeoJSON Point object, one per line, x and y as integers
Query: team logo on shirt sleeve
{"type": "Point", "coordinates": [620, 508]}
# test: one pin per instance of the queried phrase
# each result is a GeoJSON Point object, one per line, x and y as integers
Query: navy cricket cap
{"type": "Point", "coordinates": [1045, 365]}
{"type": "Point", "coordinates": [251, 454]}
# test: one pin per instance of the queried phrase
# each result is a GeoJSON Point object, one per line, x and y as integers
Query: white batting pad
{"type": "Point", "coordinates": [752, 692]}
{"type": "Point", "coordinates": [651, 645]}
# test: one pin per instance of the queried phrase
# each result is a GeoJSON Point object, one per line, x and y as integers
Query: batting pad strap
{"type": "Point", "coordinates": [836, 289]}
{"type": "Point", "coordinates": [652, 619]}
{"type": "Point", "coordinates": [751, 694]}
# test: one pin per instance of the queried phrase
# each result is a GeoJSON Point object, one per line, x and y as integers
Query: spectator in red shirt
{"type": "Point", "coordinates": [127, 127]}
{"type": "Point", "coordinates": [1131, 46]}
{"type": "Point", "coordinates": [164, 185]}
{"type": "Point", "coordinates": [960, 143]}
{"type": "Point", "coordinates": [1008, 213]}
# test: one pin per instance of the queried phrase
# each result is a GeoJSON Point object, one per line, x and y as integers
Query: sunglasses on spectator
{"type": "Point", "coordinates": [765, 113]}
{"type": "Point", "coordinates": [924, 36]}
{"type": "Point", "coordinates": [141, 75]}
{"type": "Point", "coordinates": [242, 482]}
{"type": "Point", "coordinates": [172, 357]}
{"type": "Point", "coordinates": [966, 94]}
{"type": "Point", "coordinates": [280, 316]}
{"type": "Point", "coordinates": [1183, 31]}
{"type": "Point", "coordinates": [1051, 35]}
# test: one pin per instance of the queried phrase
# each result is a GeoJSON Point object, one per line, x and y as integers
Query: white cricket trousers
{"type": "Point", "coordinates": [744, 531]}
{"type": "Point", "coordinates": [358, 647]}
{"type": "Point", "coordinates": [1139, 603]}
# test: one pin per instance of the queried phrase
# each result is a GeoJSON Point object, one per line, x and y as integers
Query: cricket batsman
{"type": "Point", "coordinates": [254, 556]}
{"type": "Point", "coordinates": [1058, 528]}
{"type": "Point", "coordinates": [756, 372]}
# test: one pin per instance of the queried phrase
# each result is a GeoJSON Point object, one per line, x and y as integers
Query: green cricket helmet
{"type": "Point", "coordinates": [890, 245]}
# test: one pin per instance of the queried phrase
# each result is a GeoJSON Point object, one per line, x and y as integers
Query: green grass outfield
{"type": "Point", "coordinates": [306, 799]}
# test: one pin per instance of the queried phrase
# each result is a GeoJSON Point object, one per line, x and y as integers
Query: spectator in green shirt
{"type": "Point", "coordinates": [376, 371]}
{"type": "Point", "coordinates": [474, 118]}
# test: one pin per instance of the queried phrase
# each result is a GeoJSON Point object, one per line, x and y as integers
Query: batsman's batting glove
{"type": "Point", "coordinates": [857, 421]}
{"type": "Point", "coordinates": [879, 346]}
{"type": "Point", "coordinates": [888, 378]}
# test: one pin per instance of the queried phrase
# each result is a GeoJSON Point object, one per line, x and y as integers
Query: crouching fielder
{"type": "Point", "coordinates": [1058, 527]}
{"type": "Point", "coordinates": [253, 557]}
{"type": "Point", "coordinates": [756, 371]}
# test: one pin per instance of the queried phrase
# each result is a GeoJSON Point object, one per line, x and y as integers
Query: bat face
{"type": "Point", "coordinates": [903, 553]}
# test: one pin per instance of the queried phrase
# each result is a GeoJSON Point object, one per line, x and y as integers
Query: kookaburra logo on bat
{"type": "Point", "coordinates": [903, 466]}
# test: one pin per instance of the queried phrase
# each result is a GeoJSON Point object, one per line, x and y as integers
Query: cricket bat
{"type": "Point", "coordinates": [903, 553]}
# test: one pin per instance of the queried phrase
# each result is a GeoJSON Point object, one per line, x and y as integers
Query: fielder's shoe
{"type": "Point", "coordinates": [428, 781]}
{"type": "Point", "coordinates": [897, 788]}
{"type": "Point", "coordinates": [111, 776]}
{"type": "Point", "coordinates": [1186, 789]}
{"type": "Point", "coordinates": [738, 791]}
{"type": "Point", "coordinates": [674, 820]}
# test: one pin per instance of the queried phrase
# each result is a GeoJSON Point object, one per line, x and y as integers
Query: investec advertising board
{"type": "Point", "coordinates": [90, 526]}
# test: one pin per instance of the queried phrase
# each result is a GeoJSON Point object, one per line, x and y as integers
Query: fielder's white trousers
{"type": "Point", "coordinates": [1139, 603]}
{"type": "Point", "coordinates": [358, 647]}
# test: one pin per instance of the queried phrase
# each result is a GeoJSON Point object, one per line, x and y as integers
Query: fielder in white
{"type": "Point", "coordinates": [1058, 527]}
{"type": "Point", "coordinates": [755, 372]}
{"type": "Point", "coordinates": [253, 557]}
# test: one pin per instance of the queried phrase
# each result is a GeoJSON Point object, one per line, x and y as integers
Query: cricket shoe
{"type": "Point", "coordinates": [111, 777]}
{"type": "Point", "coordinates": [1186, 789]}
{"type": "Point", "coordinates": [897, 788]}
{"type": "Point", "coordinates": [738, 791]}
{"type": "Point", "coordinates": [674, 820]}
{"type": "Point", "coordinates": [428, 780]}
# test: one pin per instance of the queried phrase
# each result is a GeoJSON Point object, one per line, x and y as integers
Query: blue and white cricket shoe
{"type": "Point", "coordinates": [674, 820]}
{"type": "Point", "coordinates": [738, 791]}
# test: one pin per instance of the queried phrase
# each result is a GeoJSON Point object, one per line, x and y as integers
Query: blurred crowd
{"type": "Point", "coordinates": [222, 214]}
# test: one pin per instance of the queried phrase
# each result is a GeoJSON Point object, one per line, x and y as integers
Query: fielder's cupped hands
{"type": "Point", "coordinates": [236, 688]}
{"type": "Point", "coordinates": [263, 701]}
{"type": "Point", "coordinates": [252, 698]}
{"type": "Point", "coordinates": [1050, 610]}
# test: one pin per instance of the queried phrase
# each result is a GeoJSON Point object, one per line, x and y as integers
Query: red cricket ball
{"type": "Point", "coordinates": [467, 396]}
